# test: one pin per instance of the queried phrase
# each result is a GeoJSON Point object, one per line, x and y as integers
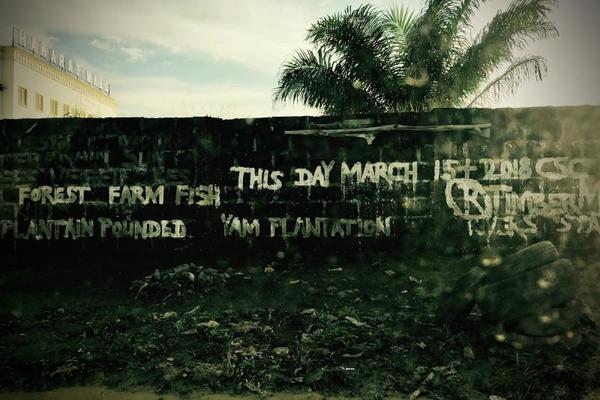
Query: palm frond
{"type": "Point", "coordinates": [522, 22]}
{"type": "Point", "coordinates": [461, 13]}
{"type": "Point", "coordinates": [399, 21]}
{"type": "Point", "coordinates": [361, 43]}
{"type": "Point", "coordinates": [521, 69]}
{"type": "Point", "coordinates": [433, 43]}
{"type": "Point", "coordinates": [456, 28]}
{"type": "Point", "coordinates": [315, 79]}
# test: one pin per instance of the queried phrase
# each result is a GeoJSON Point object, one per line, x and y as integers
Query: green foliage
{"type": "Point", "coordinates": [366, 60]}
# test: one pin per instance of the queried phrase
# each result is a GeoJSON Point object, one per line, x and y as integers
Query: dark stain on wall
{"type": "Point", "coordinates": [199, 153]}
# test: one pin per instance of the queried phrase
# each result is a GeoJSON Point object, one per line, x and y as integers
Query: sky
{"type": "Point", "coordinates": [222, 57]}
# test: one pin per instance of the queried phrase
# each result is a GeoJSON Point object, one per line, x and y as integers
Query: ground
{"type": "Point", "coordinates": [364, 329]}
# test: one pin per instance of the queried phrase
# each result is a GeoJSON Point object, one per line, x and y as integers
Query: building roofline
{"type": "Point", "coordinates": [41, 66]}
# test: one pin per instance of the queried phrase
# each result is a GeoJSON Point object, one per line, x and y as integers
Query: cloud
{"type": "Point", "coordinates": [113, 43]}
{"type": "Point", "coordinates": [258, 34]}
{"type": "Point", "coordinates": [100, 44]}
{"type": "Point", "coordinates": [135, 53]}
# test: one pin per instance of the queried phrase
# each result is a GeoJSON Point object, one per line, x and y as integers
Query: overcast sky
{"type": "Point", "coordinates": [221, 57]}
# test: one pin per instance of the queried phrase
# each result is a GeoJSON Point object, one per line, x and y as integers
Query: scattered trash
{"type": "Point", "coordinates": [422, 385]}
{"type": "Point", "coordinates": [414, 394]}
{"type": "Point", "coordinates": [191, 277]}
{"type": "Point", "coordinates": [357, 355]}
{"type": "Point", "coordinates": [255, 388]}
{"type": "Point", "coordinates": [244, 326]}
{"type": "Point", "coordinates": [281, 351]}
{"type": "Point", "coordinates": [355, 322]}
{"type": "Point", "coordinates": [209, 324]}
{"type": "Point", "coordinates": [168, 315]}
{"type": "Point", "coordinates": [468, 353]}
{"type": "Point", "coordinates": [181, 279]}
{"type": "Point", "coordinates": [347, 293]}
{"type": "Point", "coordinates": [193, 311]}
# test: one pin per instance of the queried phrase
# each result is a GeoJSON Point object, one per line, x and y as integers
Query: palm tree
{"type": "Point", "coordinates": [366, 61]}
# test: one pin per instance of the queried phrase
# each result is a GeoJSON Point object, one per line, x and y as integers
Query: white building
{"type": "Point", "coordinates": [38, 82]}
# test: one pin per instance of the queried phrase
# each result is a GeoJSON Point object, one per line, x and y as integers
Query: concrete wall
{"type": "Point", "coordinates": [167, 190]}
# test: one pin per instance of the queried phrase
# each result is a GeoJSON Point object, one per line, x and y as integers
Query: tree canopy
{"type": "Point", "coordinates": [366, 60]}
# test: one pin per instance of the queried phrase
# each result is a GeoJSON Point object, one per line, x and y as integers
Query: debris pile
{"type": "Point", "coordinates": [185, 278]}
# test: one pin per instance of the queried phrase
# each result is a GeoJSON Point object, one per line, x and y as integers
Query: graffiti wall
{"type": "Point", "coordinates": [450, 179]}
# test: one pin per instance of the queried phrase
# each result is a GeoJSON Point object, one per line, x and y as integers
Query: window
{"type": "Point", "coordinates": [66, 110]}
{"type": "Point", "coordinates": [75, 112]}
{"type": "Point", "coordinates": [54, 107]}
{"type": "Point", "coordinates": [39, 102]}
{"type": "Point", "coordinates": [22, 96]}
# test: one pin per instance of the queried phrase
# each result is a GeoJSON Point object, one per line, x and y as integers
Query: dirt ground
{"type": "Point", "coordinates": [365, 329]}
{"type": "Point", "coordinates": [100, 393]}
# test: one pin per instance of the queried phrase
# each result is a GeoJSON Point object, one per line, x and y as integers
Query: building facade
{"type": "Point", "coordinates": [37, 82]}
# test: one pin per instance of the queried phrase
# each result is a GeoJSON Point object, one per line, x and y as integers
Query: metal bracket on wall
{"type": "Point", "coordinates": [370, 133]}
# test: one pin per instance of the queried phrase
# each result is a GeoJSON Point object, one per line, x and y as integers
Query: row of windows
{"type": "Point", "coordinates": [67, 110]}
